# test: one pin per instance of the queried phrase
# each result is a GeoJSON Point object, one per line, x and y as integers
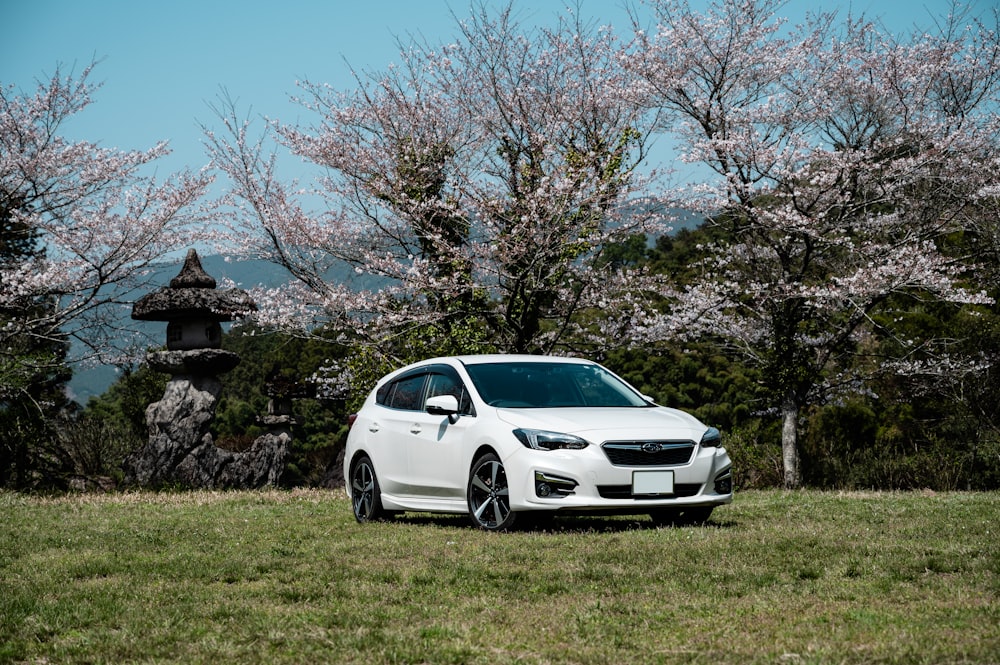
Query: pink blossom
{"type": "Point", "coordinates": [101, 222]}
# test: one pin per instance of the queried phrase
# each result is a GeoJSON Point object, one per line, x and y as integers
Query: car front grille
{"type": "Point", "coordinates": [648, 453]}
{"type": "Point", "coordinates": [625, 491]}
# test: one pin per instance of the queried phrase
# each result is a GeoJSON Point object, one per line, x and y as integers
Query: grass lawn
{"type": "Point", "coordinates": [289, 577]}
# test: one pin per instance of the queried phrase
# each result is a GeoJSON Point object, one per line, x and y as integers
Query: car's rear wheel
{"type": "Point", "coordinates": [693, 515]}
{"type": "Point", "coordinates": [489, 495]}
{"type": "Point", "coordinates": [365, 495]}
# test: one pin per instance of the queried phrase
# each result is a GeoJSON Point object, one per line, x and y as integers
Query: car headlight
{"type": "Point", "coordinates": [543, 440]}
{"type": "Point", "coordinates": [711, 438]}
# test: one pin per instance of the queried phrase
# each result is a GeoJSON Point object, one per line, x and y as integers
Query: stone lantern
{"type": "Point", "coordinates": [194, 311]}
{"type": "Point", "coordinates": [181, 449]}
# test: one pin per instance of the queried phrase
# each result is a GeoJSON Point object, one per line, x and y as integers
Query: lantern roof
{"type": "Point", "coordinates": [192, 295]}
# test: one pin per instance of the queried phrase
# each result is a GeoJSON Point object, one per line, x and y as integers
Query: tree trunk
{"type": "Point", "coordinates": [790, 442]}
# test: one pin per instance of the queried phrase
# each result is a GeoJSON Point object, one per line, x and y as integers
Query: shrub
{"type": "Point", "coordinates": [755, 450]}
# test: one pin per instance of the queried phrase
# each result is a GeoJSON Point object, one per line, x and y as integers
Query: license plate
{"type": "Point", "coordinates": [652, 482]}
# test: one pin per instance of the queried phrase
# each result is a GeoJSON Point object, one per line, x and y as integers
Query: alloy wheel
{"type": "Point", "coordinates": [489, 495]}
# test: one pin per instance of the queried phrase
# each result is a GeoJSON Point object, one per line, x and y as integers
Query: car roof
{"type": "Point", "coordinates": [483, 359]}
{"type": "Point", "coordinates": [518, 358]}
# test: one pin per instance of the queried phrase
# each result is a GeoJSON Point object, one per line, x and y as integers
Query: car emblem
{"type": "Point", "coordinates": [651, 447]}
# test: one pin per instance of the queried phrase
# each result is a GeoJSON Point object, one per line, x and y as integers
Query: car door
{"type": "Point", "coordinates": [437, 466]}
{"type": "Point", "coordinates": [389, 433]}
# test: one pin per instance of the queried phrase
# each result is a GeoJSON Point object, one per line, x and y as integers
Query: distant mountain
{"type": "Point", "coordinates": [245, 274]}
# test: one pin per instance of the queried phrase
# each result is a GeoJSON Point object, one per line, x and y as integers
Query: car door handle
{"type": "Point", "coordinates": [373, 427]}
{"type": "Point", "coordinates": [415, 428]}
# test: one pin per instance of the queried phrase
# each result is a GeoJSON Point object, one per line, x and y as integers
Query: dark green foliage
{"type": "Point", "coordinates": [277, 358]}
{"type": "Point", "coordinates": [124, 404]}
{"type": "Point", "coordinates": [865, 444]}
{"type": "Point", "coordinates": [31, 408]}
{"type": "Point", "coordinates": [678, 254]}
{"type": "Point", "coordinates": [111, 427]}
{"type": "Point", "coordinates": [95, 448]}
{"type": "Point", "coordinates": [33, 373]}
{"type": "Point", "coordinates": [696, 379]}
{"type": "Point", "coordinates": [839, 439]}
{"type": "Point", "coordinates": [628, 253]}
{"type": "Point", "coordinates": [755, 449]}
{"type": "Point", "coordinates": [903, 433]}
{"type": "Point", "coordinates": [18, 240]}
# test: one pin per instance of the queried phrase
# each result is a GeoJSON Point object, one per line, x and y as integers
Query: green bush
{"type": "Point", "coordinates": [95, 449]}
{"type": "Point", "coordinates": [755, 450]}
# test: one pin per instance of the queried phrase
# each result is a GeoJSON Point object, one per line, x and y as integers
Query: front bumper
{"type": "Point", "coordinates": [586, 480]}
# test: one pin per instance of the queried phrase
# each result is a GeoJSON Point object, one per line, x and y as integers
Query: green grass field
{"type": "Point", "coordinates": [289, 577]}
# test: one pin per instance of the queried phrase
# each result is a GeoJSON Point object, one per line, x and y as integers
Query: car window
{"type": "Point", "coordinates": [407, 393]}
{"type": "Point", "coordinates": [603, 388]}
{"type": "Point", "coordinates": [384, 393]}
{"type": "Point", "coordinates": [551, 385]}
{"type": "Point", "coordinates": [442, 384]}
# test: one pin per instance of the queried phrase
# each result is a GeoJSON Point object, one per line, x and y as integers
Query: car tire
{"type": "Point", "coordinates": [489, 495]}
{"type": "Point", "coordinates": [694, 515]}
{"type": "Point", "coordinates": [366, 497]}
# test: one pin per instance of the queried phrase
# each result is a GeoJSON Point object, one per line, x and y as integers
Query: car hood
{"type": "Point", "coordinates": [609, 423]}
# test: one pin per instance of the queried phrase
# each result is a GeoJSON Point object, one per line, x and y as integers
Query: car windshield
{"type": "Point", "coordinates": [551, 385]}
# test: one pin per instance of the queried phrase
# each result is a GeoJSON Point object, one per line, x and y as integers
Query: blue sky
{"type": "Point", "coordinates": [162, 63]}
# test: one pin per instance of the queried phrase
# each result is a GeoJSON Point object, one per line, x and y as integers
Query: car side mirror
{"type": "Point", "coordinates": [443, 405]}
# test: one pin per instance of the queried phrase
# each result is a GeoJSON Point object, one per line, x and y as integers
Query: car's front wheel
{"type": "Point", "coordinates": [489, 495]}
{"type": "Point", "coordinates": [365, 495]}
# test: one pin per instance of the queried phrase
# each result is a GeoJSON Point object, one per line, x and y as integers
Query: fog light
{"type": "Point", "coordinates": [547, 485]}
{"type": "Point", "coordinates": [724, 483]}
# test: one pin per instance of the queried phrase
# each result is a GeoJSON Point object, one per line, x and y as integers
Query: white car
{"type": "Point", "coordinates": [502, 436]}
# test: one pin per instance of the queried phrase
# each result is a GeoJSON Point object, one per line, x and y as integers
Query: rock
{"type": "Point", "coordinates": [181, 451]}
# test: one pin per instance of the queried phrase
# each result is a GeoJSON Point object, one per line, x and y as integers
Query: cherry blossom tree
{"type": "Point", "coordinates": [87, 221]}
{"type": "Point", "coordinates": [842, 159]}
{"type": "Point", "coordinates": [473, 187]}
